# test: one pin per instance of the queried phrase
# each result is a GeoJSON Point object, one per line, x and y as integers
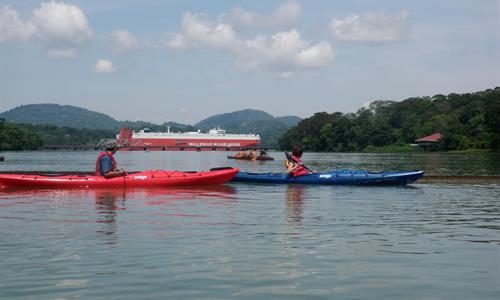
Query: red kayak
{"type": "Point", "coordinates": [150, 178]}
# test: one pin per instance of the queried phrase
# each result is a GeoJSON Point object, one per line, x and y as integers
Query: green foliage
{"type": "Point", "coordinates": [53, 135]}
{"type": "Point", "coordinates": [67, 116]}
{"type": "Point", "coordinates": [467, 121]}
{"type": "Point", "coordinates": [14, 137]}
{"type": "Point", "coordinates": [70, 125]}
{"type": "Point", "coordinates": [60, 115]}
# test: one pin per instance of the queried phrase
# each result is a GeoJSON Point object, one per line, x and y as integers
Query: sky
{"type": "Point", "coordinates": [184, 61]}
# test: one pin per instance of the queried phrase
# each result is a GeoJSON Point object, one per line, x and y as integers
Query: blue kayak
{"type": "Point", "coordinates": [338, 177]}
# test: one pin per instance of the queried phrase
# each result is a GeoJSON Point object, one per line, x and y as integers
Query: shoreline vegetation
{"type": "Point", "coordinates": [469, 122]}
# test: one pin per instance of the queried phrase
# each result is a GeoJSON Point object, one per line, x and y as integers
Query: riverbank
{"type": "Point", "coordinates": [411, 149]}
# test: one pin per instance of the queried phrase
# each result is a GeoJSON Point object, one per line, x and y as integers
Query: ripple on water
{"type": "Point", "coordinates": [253, 242]}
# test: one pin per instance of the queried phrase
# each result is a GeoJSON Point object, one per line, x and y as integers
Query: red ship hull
{"type": "Point", "coordinates": [186, 145]}
{"type": "Point", "coordinates": [127, 141]}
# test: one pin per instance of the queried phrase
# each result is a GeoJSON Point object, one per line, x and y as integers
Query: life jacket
{"type": "Point", "coordinates": [98, 162]}
{"type": "Point", "coordinates": [299, 170]}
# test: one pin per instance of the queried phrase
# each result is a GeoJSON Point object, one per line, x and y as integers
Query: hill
{"type": "Point", "coordinates": [289, 120]}
{"type": "Point", "coordinates": [60, 115]}
{"type": "Point", "coordinates": [76, 117]}
{"type": "Point", "coordinates": [467, 121]}
{"type": "Point", "coordinates": [269, 128]}
{"type": "Point", "coordinates": [55, 123]}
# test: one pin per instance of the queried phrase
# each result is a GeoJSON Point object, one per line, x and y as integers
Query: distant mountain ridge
{"type": "Point", "coordinates": [269, 127]}
{"type": "Point", "coordinates": [60, 115]}
{"type": "Point", "coordinates": [76, 117]}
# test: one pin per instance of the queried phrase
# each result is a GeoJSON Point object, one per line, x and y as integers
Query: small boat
{"type": "Point", "coordinates": [150, 178]}
{"type": "Point", "coordinates": [262, 157]}
{"type": "Point", "coordinates": [338, 177]}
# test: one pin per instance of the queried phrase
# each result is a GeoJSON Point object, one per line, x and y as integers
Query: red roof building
{"type": "Point", "coordinates": [435, 137]}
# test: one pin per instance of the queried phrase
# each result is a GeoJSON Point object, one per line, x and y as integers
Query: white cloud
{"type": "Point", "coordinates": [61, 22]}
{"type": "Point", "coordinates": [104, 66]}
{"type": "Point", "coordinates": [377, 27]}
{"type": "Point", "coordinates": [123, 41]}
{"type": "Point", "coordinates": [282, 52]}
{"type": "Point", "coordinates": [286, 51]}
{"type": "Point", "coordinates": [316, 56]}
{"type": "Point", "coordinates": [53, 22]}
{"type": "Point", "coordinates": [61, 53]}
{"type": "Point", "coordinates": [286, 15]}
{"type": "Point", "coordinates": [198, 30]}
{"type": "Point", "coordinates": [13, 29]}
{"type": "Point", "coordinates": [176, 42]}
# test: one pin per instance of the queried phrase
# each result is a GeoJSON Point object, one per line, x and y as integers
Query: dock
{"type": "Point", "coordinates": [70, 147]}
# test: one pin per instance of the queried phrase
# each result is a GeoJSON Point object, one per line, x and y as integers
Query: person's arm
{"type": "Point", "coordinates": [291, 169]}
{"type": "Point", "coordinates": [115, 173]}
{"type": "Point", "coordinates": [107, 169]}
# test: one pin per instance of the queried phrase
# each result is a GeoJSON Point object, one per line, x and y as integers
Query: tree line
{"type": "Point", "coordinates": [467, 121]}
{"type": "Point", "coordinates": [15, 137]}
{"type": "Point", "coordinates": [33, 137]}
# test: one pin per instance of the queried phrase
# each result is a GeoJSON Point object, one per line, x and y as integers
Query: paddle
{"type": "Point", "coordinates": [290, 158]}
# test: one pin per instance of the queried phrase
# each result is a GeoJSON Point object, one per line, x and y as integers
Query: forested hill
{"type": "Point", "coordinates": [71, 125]}
{"type": "Point", "coordinates": [60, 115]}
{"type": "Point", "coordinates": [269, 128]}
{"type": "Point", "coordinates": [76, 117]}
{"type": "Point", "coordinates": [467, 121]}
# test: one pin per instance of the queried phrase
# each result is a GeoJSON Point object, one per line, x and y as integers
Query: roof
{"type": "Point", "coordinates": [435, 137]}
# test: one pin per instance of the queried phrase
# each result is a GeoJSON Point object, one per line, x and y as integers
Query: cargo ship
{"type": "Point", "coordinates": [214, 140]}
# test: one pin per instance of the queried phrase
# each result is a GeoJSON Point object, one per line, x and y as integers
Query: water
{"type": "Point", "coordinates": [249, 241]}
{"type": "Point", "coordinates": [432, 163]}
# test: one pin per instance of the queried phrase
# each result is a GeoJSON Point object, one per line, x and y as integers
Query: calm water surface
{"type": "Point", "coordinates": [248, 241]}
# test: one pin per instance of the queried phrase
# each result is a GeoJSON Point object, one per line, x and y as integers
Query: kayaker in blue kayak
{"type": "Point", "coordinates": [295, 167]}
{"type": "Point", "coordinates": [106, 163]}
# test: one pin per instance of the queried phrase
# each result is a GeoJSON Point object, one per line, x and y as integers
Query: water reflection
{"type": "Point", "coordinates": [107, 199]}
{"type": "Point", "coordinates": [74, 206]}
{"type": "Point", "coordinates": [294, 204]}
{"type": "Point", "coordinates": [107, 203]}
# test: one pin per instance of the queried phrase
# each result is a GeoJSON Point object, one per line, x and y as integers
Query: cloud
{"type": "Point", "coordinates": [123, 41]}
{"type": "Point", "coordinates": [282, 52]}
{"type": "Point", "coordinates": [286, 16]}
{"type": "Point", "coordinates": [104, 66]}
{"type": "Point", "coordinates": [61, 53]}
{"type": "Point", "coordinates": [198, 30]}
{"type": "Point", "coordinates": [61, 22]}
{"type": "Point", "coordinates": [52, 22]}
{"type": "Point", "coordinates": [377, 27]}
{"type": "Point", "coordinates": [13, 29]}
{"type": "Point", "coordinates": [285, 51]}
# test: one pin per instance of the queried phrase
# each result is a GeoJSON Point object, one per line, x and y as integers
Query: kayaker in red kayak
{"type": "Point", "coordinates": [106, 163]}
{"type": "Point", "coordinates": [295, 167]}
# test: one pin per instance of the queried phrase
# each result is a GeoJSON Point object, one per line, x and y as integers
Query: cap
{"type": "Point", "coordinates": [111, 145]}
